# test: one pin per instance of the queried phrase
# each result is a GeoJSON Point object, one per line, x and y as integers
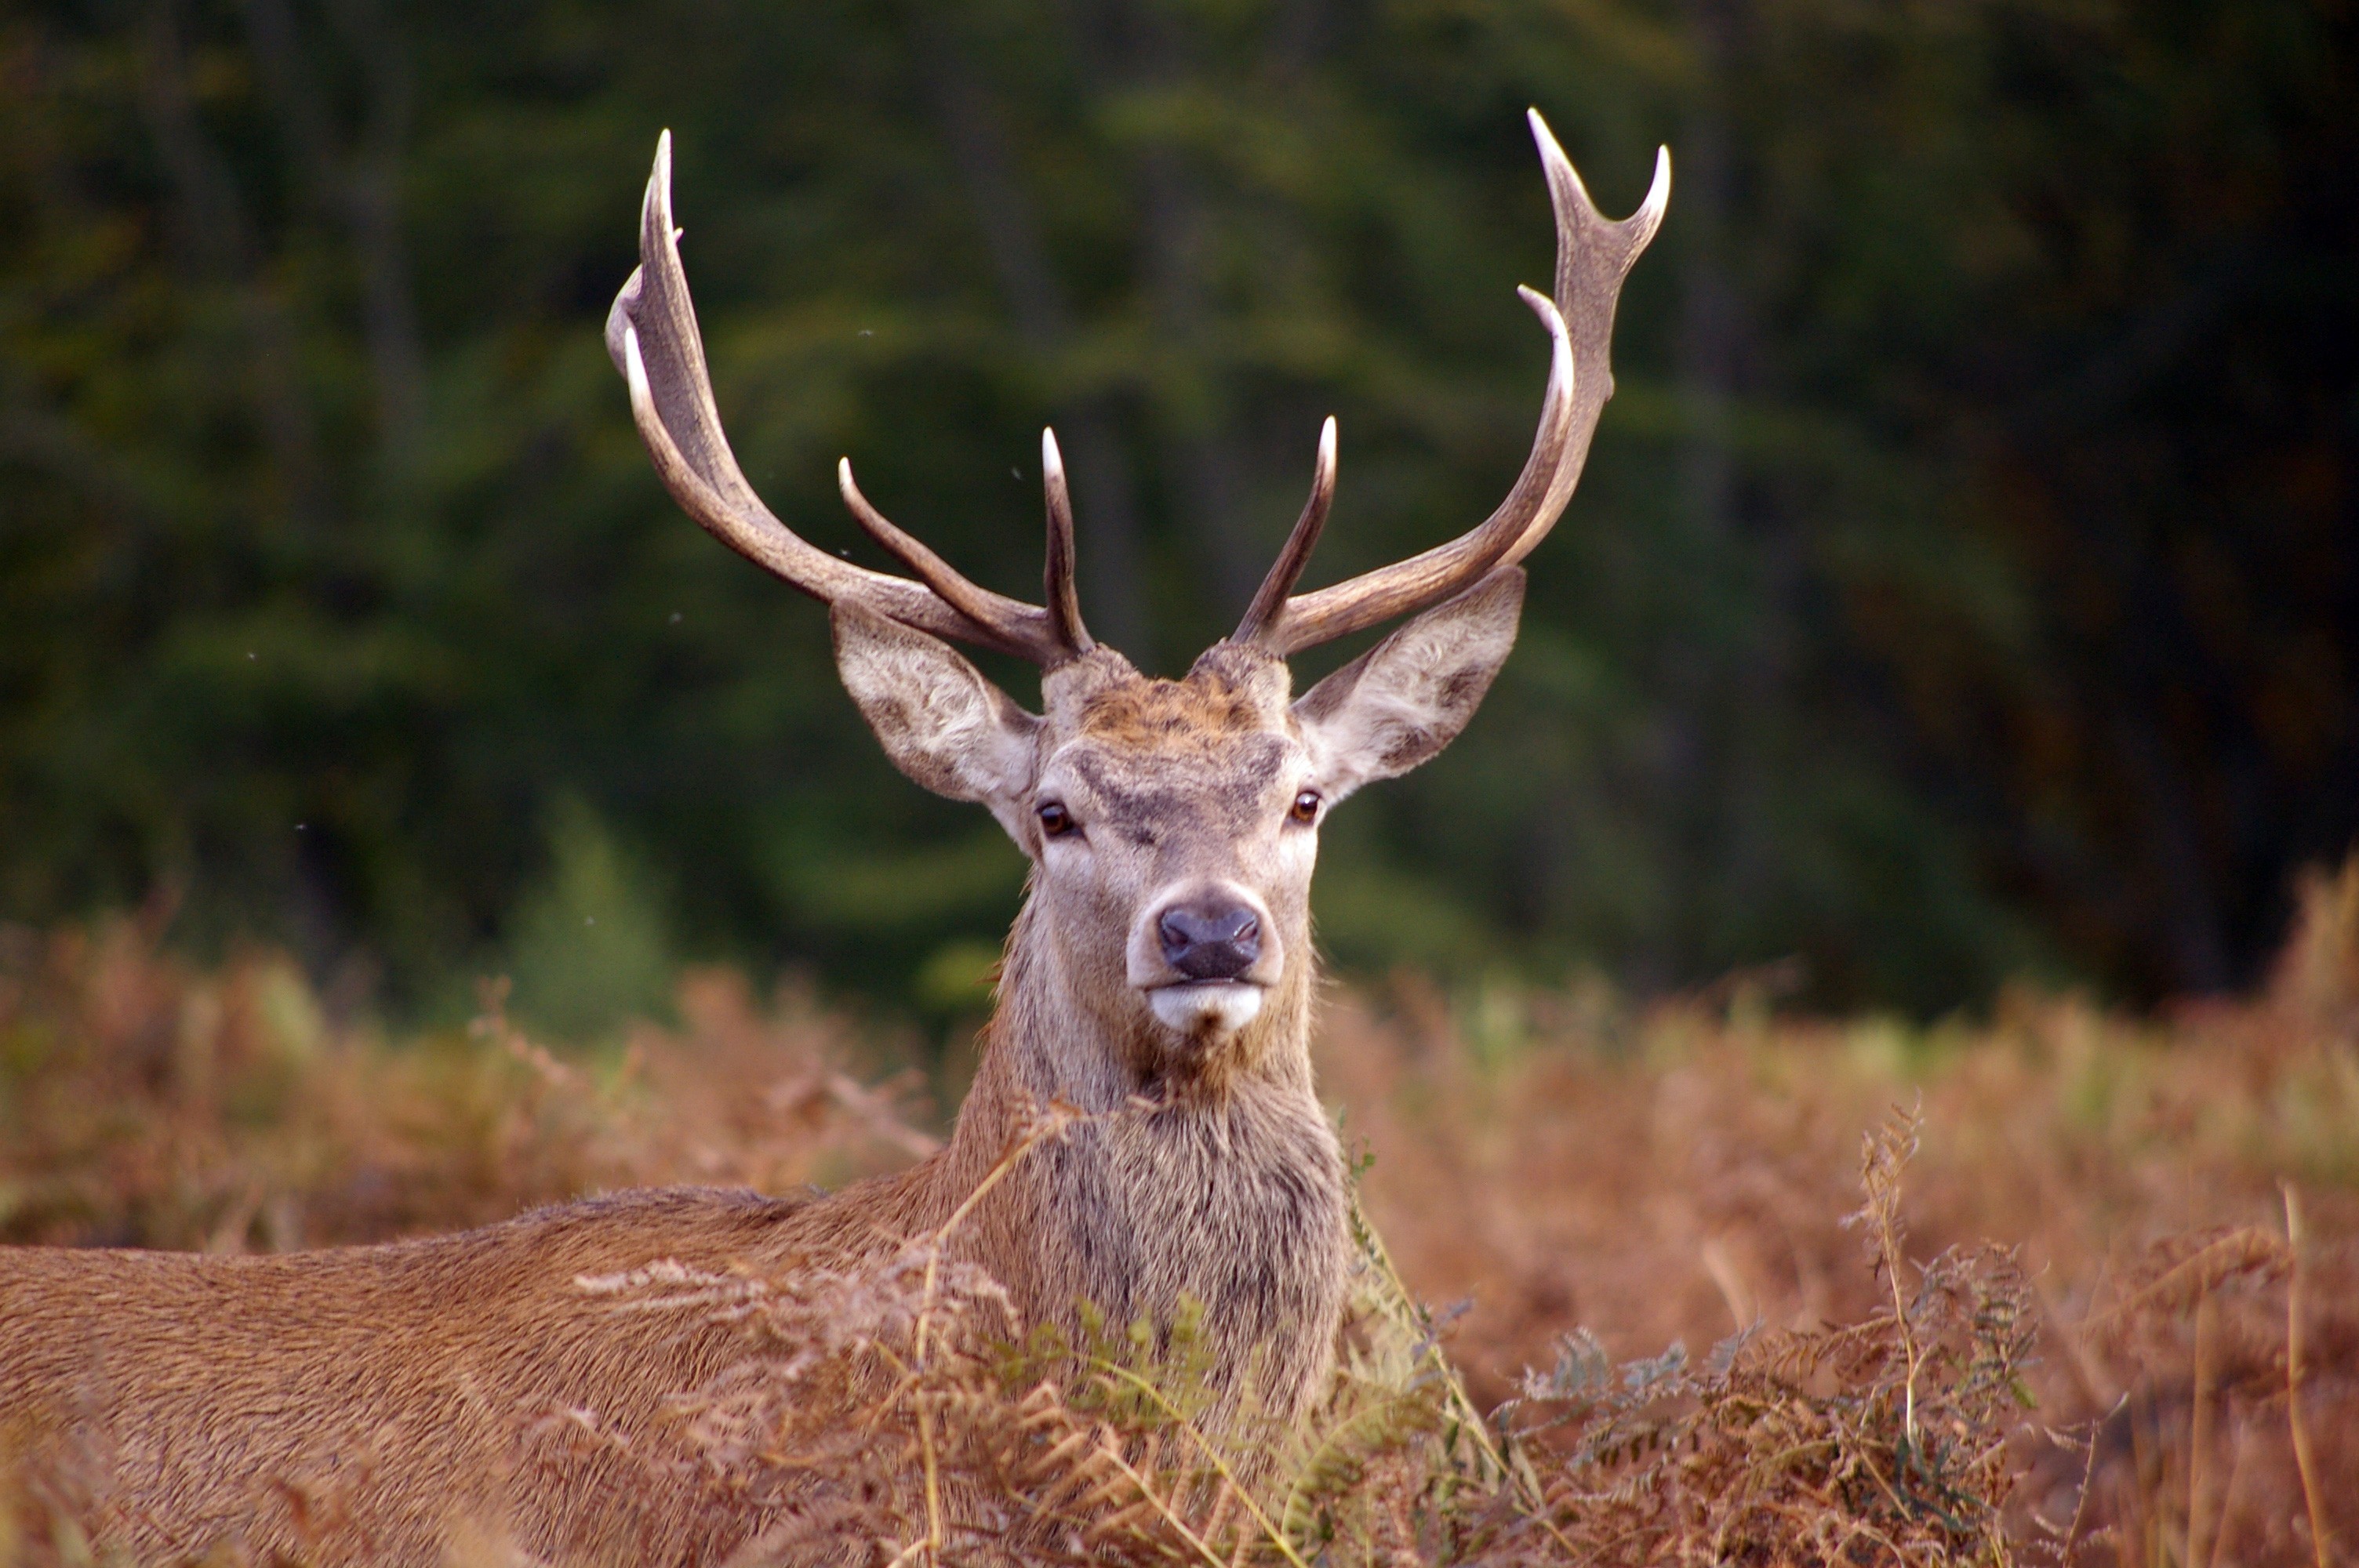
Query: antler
{"type": "Point", "coordinates": [1593, 256]}
{"type": "Point", "coordinates": [652, 335]}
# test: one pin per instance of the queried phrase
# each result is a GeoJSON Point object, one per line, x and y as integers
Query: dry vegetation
{"type": "Point", "coordinates": [2071, 1286]}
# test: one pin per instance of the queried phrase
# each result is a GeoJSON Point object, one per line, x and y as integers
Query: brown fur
{"type": "Point", "coordinates": [376, 1404]}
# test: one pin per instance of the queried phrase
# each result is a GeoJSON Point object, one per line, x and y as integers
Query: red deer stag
{"type": "Point", "coordinates": [1163, 955]}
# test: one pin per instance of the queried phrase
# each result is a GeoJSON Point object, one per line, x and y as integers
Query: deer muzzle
{"type": "Point", "coordinates": [1204, 954]}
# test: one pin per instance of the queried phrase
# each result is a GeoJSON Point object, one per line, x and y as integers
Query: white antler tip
{"type": "Point", "coordinates": [1552, 158]}
{"type": "Point", "coordinates": [659, 189]}
{"type": "Point", "coordinates": [1658, 193]}
{"type": "Point", "coordinates": [1561, 367]}
{"type": "Point", "coordinates": [634, 369]}
{"type": "Point", "coordinates": [1052, 461]}
{"type": "Point", "coordinates": [1327, 443]}
{"type": "Point", "coordinates": [1543, 307]}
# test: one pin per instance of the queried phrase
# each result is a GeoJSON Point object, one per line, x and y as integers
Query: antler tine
{"type": "Point", "coordinates": [1062, 597]}
{"type": "Point", "coordinates": [978, 605]}
{"type": "Point", "coordinates": [1593, 255]}
{"type": "Point", "coordinates": [651, 334]}
{"type": "Point", "coordinates": [1286, 571]}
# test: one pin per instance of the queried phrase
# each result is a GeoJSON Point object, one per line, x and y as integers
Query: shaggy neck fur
{"type": "Point", "coordinates": [1208, 1175]}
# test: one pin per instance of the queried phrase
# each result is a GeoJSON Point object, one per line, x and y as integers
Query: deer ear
{"type": "Point", "coordinates": [1406, 699]}
{"type": "Point", "coordinates": [940, 721]}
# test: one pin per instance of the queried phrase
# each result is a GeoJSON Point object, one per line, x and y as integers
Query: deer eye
{"type": "Point", "coordinates": [1054, 820]}
{"type": "Point", "coordinates": [1305, 808]}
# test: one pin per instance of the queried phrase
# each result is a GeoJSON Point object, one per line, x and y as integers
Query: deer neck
{"type": "Point", "coordinates": [1211, 1179]}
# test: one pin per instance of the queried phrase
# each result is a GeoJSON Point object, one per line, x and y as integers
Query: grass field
{"type": "Point", "coordinates": [2062, 1285]}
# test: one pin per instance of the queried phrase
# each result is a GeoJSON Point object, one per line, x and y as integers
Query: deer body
{"type": "Point", "coordinates": [395, 1403]}
{"type": "Point", "coordinates": [373, 1404]}
{"type": "Point", "coordinates": [384, 1404]}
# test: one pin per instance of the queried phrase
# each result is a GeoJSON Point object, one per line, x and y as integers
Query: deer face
{"type": "Point", "coordinates": [1173, 868]}
{"type": "Point", "coordinates": [1173, 825]}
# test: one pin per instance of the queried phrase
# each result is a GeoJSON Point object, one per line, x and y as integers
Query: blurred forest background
{"type": "Point", "coordinates": [1965, 582]}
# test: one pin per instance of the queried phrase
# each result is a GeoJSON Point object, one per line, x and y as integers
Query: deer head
{"type": "Point", "coordinates": [1171, 824]}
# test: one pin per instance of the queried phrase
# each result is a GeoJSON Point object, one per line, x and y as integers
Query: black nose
{"type": "Point", "coordinates": [1210, 941]}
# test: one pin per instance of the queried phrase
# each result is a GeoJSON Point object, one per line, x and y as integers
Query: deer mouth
{"type": "Point", "coordinates": [1212, 1008]}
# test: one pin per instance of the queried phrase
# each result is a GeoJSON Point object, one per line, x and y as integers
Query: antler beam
{"type": "Point", "coordinates": [1593, 255]}
{"type": "Point", "coordinates": [652, 336]}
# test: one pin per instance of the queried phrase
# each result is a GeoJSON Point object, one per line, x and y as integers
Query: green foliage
{"type": "Point", "coordinates": [1961, 583]}
{"type": "Point", "coordinates": [591, 950]}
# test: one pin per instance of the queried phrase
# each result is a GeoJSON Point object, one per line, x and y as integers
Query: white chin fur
{"type": "Point", "coordinates": [1205, 1008]}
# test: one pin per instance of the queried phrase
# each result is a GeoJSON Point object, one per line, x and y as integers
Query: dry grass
{"type": "Point", "coordinates": [146, 1105]}
{"type": "Point", "coordinates": [2093, 1295]}
{"type": "Point", "coordinates": [2182, 1193]}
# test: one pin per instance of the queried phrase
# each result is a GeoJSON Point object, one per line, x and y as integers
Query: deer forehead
{"type": "Point", "coordinates": [1208, 752]}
